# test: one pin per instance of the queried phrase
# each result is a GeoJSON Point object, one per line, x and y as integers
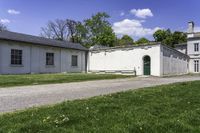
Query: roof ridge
{"type": "Point", "coordinates": [21, 37]}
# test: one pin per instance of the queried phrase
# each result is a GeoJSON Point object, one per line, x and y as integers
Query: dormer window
{"type": "Point", "coordinates": [196, 47]}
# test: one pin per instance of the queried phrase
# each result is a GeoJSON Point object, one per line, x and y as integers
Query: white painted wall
{"type": "Point", "coordinates": [191, 65]}
{"type": "Point", "coordinates": [125, 59]}
{"type": "Point", "coordinates": [192, 54]}
{"type": "Point", "coordinates": [34, 59]}
{"type": "Point", "coordinates": [173, 62]}
{"type": "Point", "coordinates": [190, 48]}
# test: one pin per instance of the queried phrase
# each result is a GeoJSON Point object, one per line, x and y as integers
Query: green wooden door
{"type": "Point", "coordinates": [147, 65]}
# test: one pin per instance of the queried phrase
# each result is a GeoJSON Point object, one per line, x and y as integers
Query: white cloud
{"type": "Point", "coordinates": [13, 12]}
{"type": "Point", "coordinates": [133, 28]}
{"type": "Point", "coordinates": [122, 14]}
{"type": "Point", "coordinates": [4, 21]}
{"type": "Point", "coordinates": [142, 13]}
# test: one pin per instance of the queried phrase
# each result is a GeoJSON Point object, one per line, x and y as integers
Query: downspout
{"type": "Point", "coordinates": [86, 61]}
{"type": "Point", "coordinates": [31, 59]}
{"type": "Point", "coordinates": [0, 59]}
{"type": "Point", "coordinates": [60, 60]}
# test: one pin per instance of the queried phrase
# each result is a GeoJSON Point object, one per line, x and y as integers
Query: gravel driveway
{"type": "Point", "coordinates": [17, 98]}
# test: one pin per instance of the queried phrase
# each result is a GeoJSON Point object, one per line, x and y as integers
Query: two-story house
{"type": "Point", "coordinates": [193, 49]}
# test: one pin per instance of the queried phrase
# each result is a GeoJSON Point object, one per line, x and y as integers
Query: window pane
{"type": "Point", "coordinates": [74, 60]}
{"type": "Point", "coordinates": [196, 66]}
{"type": "Point", "coordinates": [49, 58]}
{"type": "Point", "coordinates": [196, 47]}
{"type": "Point", "coordinates": [16, 57]}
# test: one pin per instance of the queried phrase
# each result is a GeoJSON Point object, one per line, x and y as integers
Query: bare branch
{"type": "Point", "coordinates": [55, 30]}
{"type": "Point", "coordinates": [3, 27]}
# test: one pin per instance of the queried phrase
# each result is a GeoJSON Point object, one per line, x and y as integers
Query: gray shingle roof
{"type": "Point", "coordinates": [13, 36]}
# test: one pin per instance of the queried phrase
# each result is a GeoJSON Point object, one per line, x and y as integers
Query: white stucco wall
{"type": "Point", "coordinates": [125, 59]}
{"type": "Point", "coordinates": [192, 54]}
{"type": "Point", "coordinates": [191, 65]}
{"type": "Point", "coordinates": [190, 48]}
{"type": "Point", "coordinates": [173, 62]}
{"type": "Point", "coordinates": [34, 59]}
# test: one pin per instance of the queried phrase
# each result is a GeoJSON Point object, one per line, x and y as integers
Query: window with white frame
{"type": "Point", "coordinates": [196, 65]}
{"type": "Point", "coordinates": [196, 47]}
{"type": "Point", "coordinates": [16, 57]}
{"type": "Point", "coordinates": [49, 59]}
{"type": "Point", "coordinates": [74, 60]}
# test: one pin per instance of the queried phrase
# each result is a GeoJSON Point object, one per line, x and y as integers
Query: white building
{"type": "Point", "coordinates": [193, 49]}
{"type": "Point", "coordinates": [156, 60]}
{"type": "Point", "coordinates": [21, 53]}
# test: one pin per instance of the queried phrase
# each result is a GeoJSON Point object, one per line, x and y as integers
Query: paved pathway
{"type": "Point", "coordinates": [17, 98]}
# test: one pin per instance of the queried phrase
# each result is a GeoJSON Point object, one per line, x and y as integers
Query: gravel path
{"type": "Point", "coordinates": [17, 98]}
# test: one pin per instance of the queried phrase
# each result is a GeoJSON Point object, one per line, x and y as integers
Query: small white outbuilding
{"type": "Point", "coordinates": [155, 60]}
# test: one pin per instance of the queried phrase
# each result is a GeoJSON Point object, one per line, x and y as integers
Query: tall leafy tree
{"type": "Point", "coordinates": [161, 35]}
{"type": "Point", "coordinates": [179, 37]}
{"type": "Point", "coordinates": [126, 40]}
{"type": "Point", "coordinates": [142, 41]}
{"type": "Point", "coordinates": [80, 33]}
{"type": "Point", "coordinates": [99, 30]}
{"type": "Point", "coordinates": [170, 38]}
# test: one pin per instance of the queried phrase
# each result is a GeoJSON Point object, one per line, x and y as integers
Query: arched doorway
{"type": "Point", "coordinates": [147, 65]}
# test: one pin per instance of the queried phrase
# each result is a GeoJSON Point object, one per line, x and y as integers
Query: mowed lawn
{"type": "Point", "coordinates": [171, 108]}
{"type": "Point", "coordinates": [35, 79]}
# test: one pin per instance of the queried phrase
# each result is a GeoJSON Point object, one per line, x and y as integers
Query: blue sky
{"type": "Point", "coordinates": [138, 18]}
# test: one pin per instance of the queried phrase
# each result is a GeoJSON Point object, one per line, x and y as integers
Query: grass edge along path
{"type": "Point", "coordinates": [38, 79]}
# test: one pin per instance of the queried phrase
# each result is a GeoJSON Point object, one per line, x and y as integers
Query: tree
{"type": "Point", "coordinates": [107, 38]}
{"type": "Point", "coordinates": [126, 40]}
{"type": "Point", "coordinates": [168, 38]}
{"type": "Point", "coordinates": [142, 41]}
{"type": "Point", "coordinates": [96, 30]}
{"type": "Point", "coordinates": [99, 30]}
{"type": "Point", "coordinates": [179, 37]}
{"type": "Point", "coordinates": [76, 31]}
{"type": "Point", "coordinates": [55, 30]}
{"type": "Point", "coordinates": [168, 41]}
{"type": "Point", "coordinates": [161, 35]}
{"type": "Point", "coordinates": [3, 27]}
{"type": "Point", "coordinates": [80, 33]}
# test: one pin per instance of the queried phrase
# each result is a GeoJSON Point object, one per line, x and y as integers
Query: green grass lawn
{"type": "Point", "coordinates": [164, 109]}
{"type": "Point", "coordinates": [35, 79]}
